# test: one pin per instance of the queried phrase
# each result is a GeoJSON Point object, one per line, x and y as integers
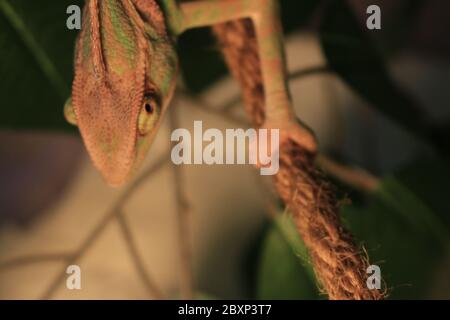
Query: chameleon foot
{"type": "Point", "coordinates": [267, 147]}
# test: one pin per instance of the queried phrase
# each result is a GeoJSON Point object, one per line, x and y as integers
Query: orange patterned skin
{"type": "Point", "coordinates": [126, 67]}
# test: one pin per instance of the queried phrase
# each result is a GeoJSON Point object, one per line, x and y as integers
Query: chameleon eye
{"type": "Point", "coordinates": [149, 115]}
{"type": "Point", "coordinates": [148, 107]}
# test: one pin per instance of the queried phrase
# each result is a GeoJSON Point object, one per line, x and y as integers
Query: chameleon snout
{"type": "Point", "coordinates": [112, 155]}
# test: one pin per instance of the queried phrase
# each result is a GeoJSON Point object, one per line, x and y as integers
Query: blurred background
{"type": "Point", "coordinates": [378, 101]}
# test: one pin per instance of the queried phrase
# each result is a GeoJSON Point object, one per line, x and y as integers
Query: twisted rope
{"type": "Point", "coordinates": [339, 264]}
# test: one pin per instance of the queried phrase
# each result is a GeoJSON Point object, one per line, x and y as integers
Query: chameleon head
{"type": "Point", "coordinates": [125, 74]}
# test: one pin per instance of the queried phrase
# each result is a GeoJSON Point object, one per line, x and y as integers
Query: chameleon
{"type": "Point", "coordinates": [126, 69]}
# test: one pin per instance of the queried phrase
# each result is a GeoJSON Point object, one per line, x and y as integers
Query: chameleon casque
{"type": "Point", "coordinates": [126, 71]}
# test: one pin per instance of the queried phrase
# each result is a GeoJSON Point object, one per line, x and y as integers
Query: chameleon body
{"type": "Point", "coordinates": [126, 70]}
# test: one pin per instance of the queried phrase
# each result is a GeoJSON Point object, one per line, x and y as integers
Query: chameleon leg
{"type": "Point", "coordinates": [279, 113]}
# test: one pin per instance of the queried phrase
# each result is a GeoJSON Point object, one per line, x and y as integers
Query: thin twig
{"type": "Point", "coordinates": [101, 226]}
{"type": "Point", "coordinates": [301, 73]}
{"type": "Point", "coordinates": [148, 281]}
{"type": "Point", "coordinates": [183, 219]}
{"type": "Point", "coordinates": [354, 177]}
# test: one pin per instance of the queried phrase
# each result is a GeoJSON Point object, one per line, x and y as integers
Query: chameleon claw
{"type": "Point", "coordinates": [293, 131]}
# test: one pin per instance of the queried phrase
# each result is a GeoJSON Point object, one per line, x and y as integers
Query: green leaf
{"type": "Point", "coordinates": [356, 60]}
{"type": "Point", "coordinates": [36, 62]}
{"type": "Point", "coordinates": [404, 229]}
{"type": "Point", "coordinates": [284, 271]}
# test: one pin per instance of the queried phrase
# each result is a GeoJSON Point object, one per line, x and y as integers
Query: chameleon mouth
{"type": "Point", "coordinates": [114, 178]}
{"type": "Point", "coordinates": [111, 155]}
{"type": "Point", "coordinates": [114, 168]}
{"type": "Point", "coordinates": [113, 173]}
